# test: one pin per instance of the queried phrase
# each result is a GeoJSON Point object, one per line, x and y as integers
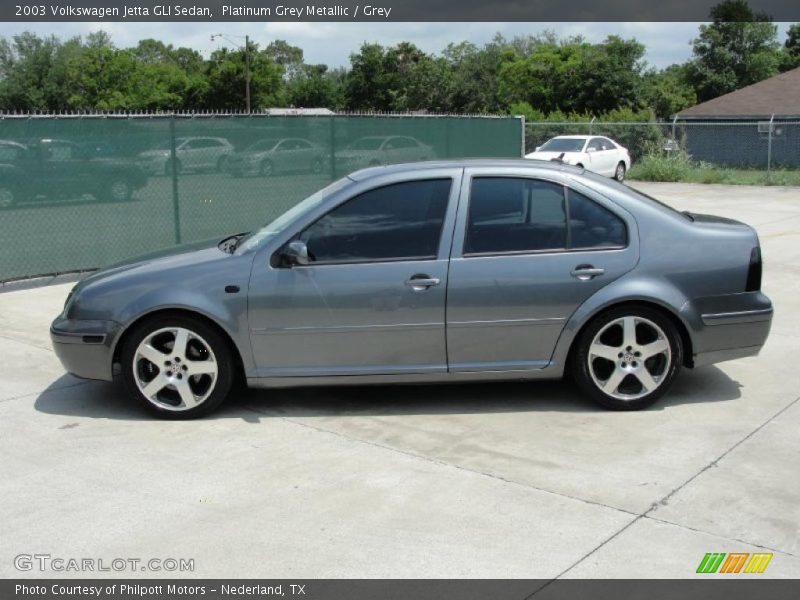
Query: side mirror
{"type": "Point", "coordinates": [295, 254]}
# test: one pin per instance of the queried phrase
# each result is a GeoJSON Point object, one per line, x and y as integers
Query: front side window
{"type": "Point", "coordinates": [394, 222]}
{"type": "Point", "coordinates": [509, 214]}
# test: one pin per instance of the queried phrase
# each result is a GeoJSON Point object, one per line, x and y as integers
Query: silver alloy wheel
{"type": "Point", "coordinates": [6, 197]}
{"type": "Point", "coordinates": [629, 358]}
{"type": "Point", "coordinates": [619, 174]}
{"type": "Point", "coordinates": [120, 190]}
{"type": "Point", "coordinates": [175, 368]}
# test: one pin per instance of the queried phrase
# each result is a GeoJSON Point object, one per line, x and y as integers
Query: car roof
{"type": "Point", "coordinates": [463, 163]}
{"type": "Point", "coordinates": [573, 137]}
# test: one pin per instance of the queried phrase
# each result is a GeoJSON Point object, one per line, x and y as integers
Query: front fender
{"type": "Point", "coordinates": [229, 313]}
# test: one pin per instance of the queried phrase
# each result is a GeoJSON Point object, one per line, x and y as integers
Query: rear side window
{"type": "Point", "coordinates": [509, 214]}
{"type": "Point", "coordinates": [592, 226]}
{"type": "Point", "coordinates": [394, 222]}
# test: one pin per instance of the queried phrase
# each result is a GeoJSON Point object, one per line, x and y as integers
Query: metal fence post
{"type": "Point", "coordinates": [769, 147]}
{"type": "Point", "coordinates": [591, 125]}
{"type": "Point", "coordinates": [174, 162]}
{"type": "Point", "coordinates": [333, 148]}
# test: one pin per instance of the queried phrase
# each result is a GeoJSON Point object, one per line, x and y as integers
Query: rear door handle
{"type": "Point", "coordinates": [586, 272]}
{"type": "Point", "coordinates": [420, 283]}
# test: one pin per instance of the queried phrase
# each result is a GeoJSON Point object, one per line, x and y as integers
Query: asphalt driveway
{"type": "Point", "coordinates": [503, 480]}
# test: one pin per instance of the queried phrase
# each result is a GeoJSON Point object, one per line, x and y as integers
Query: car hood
{"type": "Point", "coordinates": [157, 262]}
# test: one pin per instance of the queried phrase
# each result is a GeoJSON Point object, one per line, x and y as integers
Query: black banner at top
{"type": "Point", "coordinates": [379, 11]}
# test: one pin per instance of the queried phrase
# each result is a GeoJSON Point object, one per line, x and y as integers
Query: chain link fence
{"type": "Point", "coordinates": [765, 144]}
{"type": "Point", "coordinates": [82, 192]}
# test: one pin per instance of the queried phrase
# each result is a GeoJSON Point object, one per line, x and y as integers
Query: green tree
{"type": "Point", "coordinates": [575, 76]}
{"type": "Point", "coordinates": [668, 92]}
{"type": "Point", "coordinates": [314, 87]}
{"type": "Point", "coordinates": [226, 80]}
{"type": "Point", "coordinates": [33, 72]}
{"type": "Point", "coordinates": [790, 58]}
{"type": "Point", "coordinates": [737, 49]}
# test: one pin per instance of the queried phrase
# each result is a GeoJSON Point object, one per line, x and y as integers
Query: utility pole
{"type": "Point", "coordinates": [246, 63]}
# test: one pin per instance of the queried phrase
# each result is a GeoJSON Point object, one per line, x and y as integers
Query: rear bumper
{"type": "Point", "coordinates": [85, 348]}
{"type": "Point", "coordinates": [733, 326]}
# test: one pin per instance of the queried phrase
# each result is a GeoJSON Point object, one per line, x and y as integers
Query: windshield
{"type": "Point", "coordinates": [261, 145]}
{"type": "Point", "coordinates": [274, 227]}
{"type": "Point", "coordinates": [563, 145]}
{"type": "Point", "coordinates": [367, 143]}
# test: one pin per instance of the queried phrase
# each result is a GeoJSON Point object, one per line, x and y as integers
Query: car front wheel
{"type": "Point", "coordinates": [177, 367]}
{"type": "Point", "coordinates": [627, 358]}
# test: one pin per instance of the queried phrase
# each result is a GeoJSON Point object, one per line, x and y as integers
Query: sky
{"type": "Point", "coordinates": [332, 43]}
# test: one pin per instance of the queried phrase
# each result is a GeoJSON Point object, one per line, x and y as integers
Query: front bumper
{"type": "Point", "coordinates": [733, 326]}
{"type": "Point", "coordinates": [85, 348]}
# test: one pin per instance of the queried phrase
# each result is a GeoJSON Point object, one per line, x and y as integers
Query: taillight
{"type": "Point", "coordinates": [754, 272]}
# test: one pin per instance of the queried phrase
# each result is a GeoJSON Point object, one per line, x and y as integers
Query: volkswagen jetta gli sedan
{"type": "Point", "coordinates": [431, 272]}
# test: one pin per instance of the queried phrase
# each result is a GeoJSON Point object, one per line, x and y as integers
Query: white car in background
{"type": "Point", "coordinates": [594, 153]}
{"type": "Point", "coordinates": [192, 154]}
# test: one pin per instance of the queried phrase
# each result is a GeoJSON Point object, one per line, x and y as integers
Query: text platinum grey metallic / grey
{"type": "Point", "coordinates": [450, 271]}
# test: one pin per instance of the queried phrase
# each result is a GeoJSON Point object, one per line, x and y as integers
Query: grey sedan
{"type": "Point", "coordinates": [432, 272]}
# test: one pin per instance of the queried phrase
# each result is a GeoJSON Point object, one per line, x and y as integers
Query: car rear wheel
{"type": "Point", "coordinates": [627, 358]}
{"type": "Point", "coordinates": [221, 163]}
{"type": "Point", "coordinates": [7, 197]}
{"type": "Point", "coordinates": [265, 169]}
{"type": "Point", "coordinates": [316, 165]}
{"type": "Point", "coordinates": [619, 172]}
{"type": "Point", "coordinates": [177, 367]}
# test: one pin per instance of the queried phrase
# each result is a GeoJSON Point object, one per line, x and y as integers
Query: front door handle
{"type": "Point", "coordinates": [586, 272]}
{"type": "Point", "coordinates": [420, 283]}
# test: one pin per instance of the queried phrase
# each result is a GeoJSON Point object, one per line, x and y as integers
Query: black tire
{"type": "Point", "coordinates": [316, 165]}
{"type": "Point", "coordinates": [118, 190]}
{"type": "Point", "coordinates": [619, 172]}
{"type": "Point", "coordinates": [660, 367]}
{"type": "Point", "coordinates": [226, 370]}
{"type": "Point", "coordinates": [8, 196]}
{"type": "Point", "coordinates": [579, 165]}
{"type": "Point", "coordinates": [265, 169]}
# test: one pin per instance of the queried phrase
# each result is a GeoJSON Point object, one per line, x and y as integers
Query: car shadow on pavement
{"type": "Point", "coordinates": [105, 400]}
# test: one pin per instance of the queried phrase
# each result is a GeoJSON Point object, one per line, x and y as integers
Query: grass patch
{"type": "Point", "coordinates": [678, 167]}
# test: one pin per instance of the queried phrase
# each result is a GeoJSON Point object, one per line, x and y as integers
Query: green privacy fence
{"type": "Point", "coordinates": [81, 192]}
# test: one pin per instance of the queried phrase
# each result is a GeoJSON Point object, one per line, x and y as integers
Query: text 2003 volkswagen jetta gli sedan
{"type": "Point", "coordinates": [431, 272]}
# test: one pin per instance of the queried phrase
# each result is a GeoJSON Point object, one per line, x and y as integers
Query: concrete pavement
{"type": "Point", "coordinates": [503, 480]}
